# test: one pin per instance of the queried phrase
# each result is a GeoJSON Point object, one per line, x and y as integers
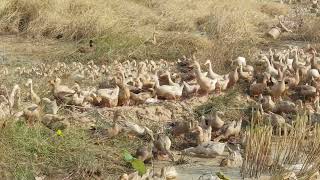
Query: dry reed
{"type": "Point", "coordinates": [257, 151]}
{"type": "Point", "coordinates": [277, 154]}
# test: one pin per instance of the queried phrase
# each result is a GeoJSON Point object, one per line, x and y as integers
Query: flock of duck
{"type": "Point", "coordinates": [282, 83]}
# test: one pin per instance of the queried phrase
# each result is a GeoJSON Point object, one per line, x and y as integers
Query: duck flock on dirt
{"type": "Point", "coordinates": [279, 82]}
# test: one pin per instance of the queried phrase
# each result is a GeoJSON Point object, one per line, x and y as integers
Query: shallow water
{"type": "Point", "coordinates": [195, 172]}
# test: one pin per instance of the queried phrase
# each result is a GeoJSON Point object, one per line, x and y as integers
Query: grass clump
{"type": "Point", "coordinates": [27, 152]}
{"type": "Point", "coordinates": [232, 103]}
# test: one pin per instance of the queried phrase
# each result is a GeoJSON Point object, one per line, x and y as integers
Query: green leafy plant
{"type": "Point", "coordinates": [137, 164]}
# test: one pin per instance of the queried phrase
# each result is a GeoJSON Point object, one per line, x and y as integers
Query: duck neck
{"type": "Point", "coordinates": [123, 78]}
{"type": "Point", "coordinates": [15, 93]}
{"type": "Point", "coordinates": [313, 60]}
{"type": "Point", "coordinates": [241, 68]}
{"type": "Point", "coordinates": [210, 67]}
{"type": "Point", "coordinates": [268, 63]}
{"type": "Point", "coordinates": [296, 55]}
{"type": "Point", "coordinates": [297, 75]}
{"type": "Point", "coordinates": [157, 84]}
{"type": "Point", "coordinates": [198, 70]}
{"type": "Point", "coordinates": [169, 78]}
{"type": "Point", "coordinates": [31, 87]}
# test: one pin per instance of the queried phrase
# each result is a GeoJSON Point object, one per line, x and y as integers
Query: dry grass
{"type": "Point", "coordinates": [232, 103]}
{"type": "Point", "coordinates": [296, 146]}
{"type": "Point", "coordinates": [310, 30]}
{"type": "Point", "coordinates": [27, 152]}
{"type": "Point", "coordinates": [219, 30]}
{"type": "Point", "coordinates": [257, 151]}
{"type": "Point", "coordinates": [274, 9]}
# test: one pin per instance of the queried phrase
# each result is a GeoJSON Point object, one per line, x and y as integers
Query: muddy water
{"type": "Point", "coordinates": [196, 172]}
{"type": "Point", "coordinates": [197, 167]}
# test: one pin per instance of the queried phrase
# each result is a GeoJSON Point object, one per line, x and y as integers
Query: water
{"type": "Point", "coordinates": [195, 172]}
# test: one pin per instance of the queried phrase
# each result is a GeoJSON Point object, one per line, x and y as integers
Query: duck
{"type": "Point", "coordinates": [270, 69]}
{"type": "Point", "coordinates": [34, 97]}
{"type": "Point", "coordinates": [234, 159]}
{"type": "Point", "coordinates": [55, 122]}
{"type": "Point", "coordinates": [83, 94]}
{"type": "Point", "coordinates": [293, 81]}
{"type": "Point", "coordinates": [171, 83]}
{"type": "Point", "coordinates": [124, 91]}
{"type": "Point", "coordinates": [268, 104]}
{"type": "Point", "coordinates": [137, 83]}
{"type": "Point", "coordinates": [315, 84]}
{"type": "Point", "coordinates": [258, 88]}
{"type": "Point", "coordinates": [206, 84]}
{"type": "Point", "coordinates": [276, 120]}
{"type": "Point", "coordinates": [203, 134]}
{"type": "Point", "coordinates": [143, 153]}
{"type": "Point", "coordinates": [313, 73]}
{"type": "Point", "coordinates": [249, 68]}
{"type": "Point", "coordinates": [114, 130]}
{"type": "Point", "coordinates": [286, 107]}
{"type": "Point", "coordinates": [139, 98]}
{"type": "Point", "coordinates": [85, 49]}
{"type": "Point", "coordinates": [240, 61]}
{"type": "Point", "coordinates": [31, 113]}
{"type": "Point", "coordinates": [314, 62]}
{"type": "Point", "coordinates": [78, 75]}
{"type": "Point", "coordinates": [107, 97]}
{"type": "Point", "coordinates": [189, 89]}
{"type": "Point", "coordinates": [14, 97]}
{"type": "Point", "coordinates": [215, 121]}
{"type": "Point", "coordinates": [51, 106]}
{"type": "Point", "coordinates": [306, 90]}
{"type": "Point", "coordinates": [245, 75]}
{"type": "Point", "coordinates": [166, 91]}
{"type": "Point", "coordinates": [233, 77]}
{"type": "Point", "coordinates": [162, 145]}
{"type": "Point", "coordinates": [278, 89]}
{"type": "Point", "coordinates": [77, 99]}
{"type": "Point", "coordinates": [61, 91]}
{"type": "Point", "coordinates": [212, 74]}
{"type": "Point", "coordinates": [144, 76]}
{"type": "Point", "coordinates": [134, 129]}
{"type": "Point", "coordinates": [180, 128]}
{"type": "Point", "coordinates": [222, 84]}
{"type": "Point", "coordinates": [227, 131]}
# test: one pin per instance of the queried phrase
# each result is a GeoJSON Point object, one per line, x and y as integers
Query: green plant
{"type": "Point", "coordinates": [136, 164]}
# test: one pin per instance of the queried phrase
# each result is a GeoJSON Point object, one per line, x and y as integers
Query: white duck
{"type": "Point", "coordinates": [212, 74]}
{"type": "Point", "coordinates": [207, 85]}
{"type": "Point", "coordinates": [34, 97]}
{"type": "Point", "coordinates": [167, 91]}
{"type": "Point", "coordinates": [241, 61]}
{"type": "Point", "coordinates": [61, 91]}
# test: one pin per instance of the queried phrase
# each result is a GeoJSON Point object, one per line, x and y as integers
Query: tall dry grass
{"type": "Point", "coordinates": [213, 29]}
{"type": "Point", "coordinates": [295, 149]}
